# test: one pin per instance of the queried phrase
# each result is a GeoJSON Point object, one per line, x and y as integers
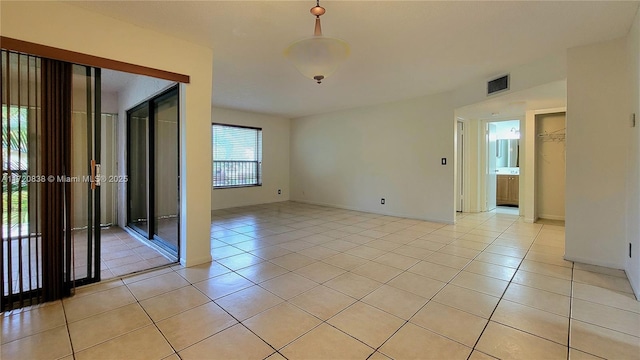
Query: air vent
{"type": "Point", "coordinates": [498, 85]}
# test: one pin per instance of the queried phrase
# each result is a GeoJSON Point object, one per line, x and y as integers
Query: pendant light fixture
{"type": "Point", "coordinates": [318, 56]}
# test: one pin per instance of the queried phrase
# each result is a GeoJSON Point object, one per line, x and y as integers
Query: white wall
{"type": "Point", "coordinates": [598, 103]}
{"type": "Point", "coordinates": [353, 158]}
{"type": "Point", "coordinates": [544, 71]}
{"type": "Point", "coordinates": [109, 103]}
{"type": "Point", "coordinates": [68, 27]}
{"type": "Point", "coordinates": [632, 265]}
{"type": "Point", "coordinates": [275, 160]}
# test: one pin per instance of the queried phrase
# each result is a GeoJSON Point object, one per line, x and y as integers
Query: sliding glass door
{"type": "Point", "coordinates": [153, 169]}
{"type": "Point", "coordinates": [50, 200]}
{"type": "Point", "coordinates": [85, 180]}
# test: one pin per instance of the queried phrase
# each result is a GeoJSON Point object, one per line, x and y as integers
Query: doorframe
{"type": "Point", "coordinates": [488, 150]}
{"type": "Point", "coordinates": [460, 170]}
{"type": "Point", "coordinates": [528, 143]}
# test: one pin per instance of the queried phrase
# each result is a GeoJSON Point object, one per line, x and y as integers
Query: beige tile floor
{"type": "Point", "coordinates": [298, 281]}
{"type": "Point", "coordinates": [121, 254]}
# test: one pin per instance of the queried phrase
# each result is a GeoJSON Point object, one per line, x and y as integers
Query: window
{"type": "Point", "coordinates": [237, 156]}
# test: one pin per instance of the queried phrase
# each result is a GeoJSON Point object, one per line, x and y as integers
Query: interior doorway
{"type": "Point", "coordinates": [521, 106]}
{"type": "Point", "coordinates": [491, 173]}
{"type": "Point", "coordinates": [503, 164]}
{"type": "Point", "coordinates": [550, 166]}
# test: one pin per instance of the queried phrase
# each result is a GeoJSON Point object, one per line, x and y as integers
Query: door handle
{"type": "Point", "coordinates": [95, 175]}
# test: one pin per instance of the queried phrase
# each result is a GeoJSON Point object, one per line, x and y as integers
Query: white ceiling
{"type": "Point", "coordinates": [399, 49]}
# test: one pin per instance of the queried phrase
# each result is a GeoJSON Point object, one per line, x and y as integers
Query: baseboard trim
{"type": "Point", "coordinates": [345, 207]}
{"type": "Point", "coordinates": [215, 207]}
{"type": "Point", "coordinates": [636, 290]}
{"type": "Point", "coordinates": [593, 262]}
{"type": "Point", "coordinates": [550, 217]}
{"type": "Point", "coordinates": [198, 261]}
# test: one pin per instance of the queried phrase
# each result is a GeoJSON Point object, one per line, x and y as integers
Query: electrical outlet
{"type": "Point", "coordinates": [444, 161]}
{"type": "Point", "coordinates": [279, 191]}
{"type": "Point", "coordinates": [382, 201]}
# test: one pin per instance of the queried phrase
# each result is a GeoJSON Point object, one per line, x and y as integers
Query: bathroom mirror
{"type": "Point", "coordinates": [507, 151]}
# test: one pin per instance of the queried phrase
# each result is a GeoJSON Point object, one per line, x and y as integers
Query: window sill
{"type": "Point", "coordinates": [235, 186]}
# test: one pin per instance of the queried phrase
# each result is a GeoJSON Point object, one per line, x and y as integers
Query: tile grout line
{"type": "Point", "coordinates": [570, 314]}
{"type": "Point", "coordinates": [66, 322]}
{"type": "Point", "coordinates": [238, 322]}
{"type": "Point", "coordinates": [360, 300]}
{"type": "Point", "coordinates": [153, 321]}
{"type": "Point", "coordinates": [504, 292]}
{"type": "Point", "coordinates": [376, 349]}
{"type": "Point", "coordinates": [321, 284]}
{"type": "Point", "coordinates": [357, 300]}
{"type": "Point", "coordinates": [449, 283]}
{"type": "Point", "coordinates": [322, 321]}
{"type": "Point", "coordinates": [434, 295]}
{"type": "Point", "coordinates": [137, 301]}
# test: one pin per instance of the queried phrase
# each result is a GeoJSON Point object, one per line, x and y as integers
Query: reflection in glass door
{"type": "Point", "coordinates": [138, 123]}
{"type": "Point", "coordinates": [153, 165]}
{"type": "Point", "coordinates": [166, 202]}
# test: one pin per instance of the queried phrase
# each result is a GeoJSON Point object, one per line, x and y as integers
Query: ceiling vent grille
{"type": "Point", "coordinates": [498, 85]}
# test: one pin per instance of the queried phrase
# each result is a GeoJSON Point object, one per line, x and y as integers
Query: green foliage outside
{"type": "Point", "coordinates": [14, 157]}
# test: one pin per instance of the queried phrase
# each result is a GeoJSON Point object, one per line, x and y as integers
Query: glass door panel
{"type": "Point", "coordinates": [85, 159]}
{"type": "Point", "coordinates": [21, 244]}
{"type": "Point", "coordinates": [166, 203]}
{"type": "Point", "coordinates": [153, 170]}
{"type": "Point", "coordinates": [138, 170]}
{"type": "Point", "coordinates": [50, 235]}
